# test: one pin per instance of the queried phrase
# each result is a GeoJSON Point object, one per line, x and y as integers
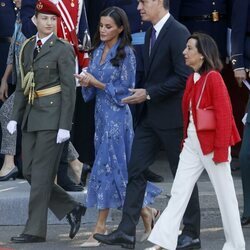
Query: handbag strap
{"type": "Point", "coordinates": [203, 87]}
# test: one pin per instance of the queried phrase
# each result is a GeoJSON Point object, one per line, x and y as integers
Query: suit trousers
{"type": "Point", "coordinates": [245, 168]}
{"type": "Point", "coordinates": [147, 142]}
{"type": "Point", "coordinates": [191, 165]}
{"type": "Point", "coordinates": [41, 156]}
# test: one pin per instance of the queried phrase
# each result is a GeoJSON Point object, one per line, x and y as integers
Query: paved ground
{"type": "Point", "coordinates": [212, 236]}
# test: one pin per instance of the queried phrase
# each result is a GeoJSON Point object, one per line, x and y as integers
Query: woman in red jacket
{"type": "Point", "coordinates": [207, 149]}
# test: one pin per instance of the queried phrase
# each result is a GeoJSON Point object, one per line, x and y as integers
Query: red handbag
{"type": "Point", "coordinates": [205, 118]}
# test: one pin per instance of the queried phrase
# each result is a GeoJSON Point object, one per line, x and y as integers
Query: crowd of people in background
{"type": "Point", "coordinates": [97, 88]}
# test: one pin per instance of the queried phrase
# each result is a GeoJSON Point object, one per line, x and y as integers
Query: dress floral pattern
{"type": "Point", "coordinates": [113, 130]}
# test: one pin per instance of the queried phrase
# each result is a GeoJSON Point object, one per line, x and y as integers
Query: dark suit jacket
{"type": "Point", "coordinates": [28, 27]}
{"type": "Point", "coordinates": [165, 75]}
{"type": "Point", "coordinates": [55, 64]}
{"type": "Point", "coordinates": [240, 37]}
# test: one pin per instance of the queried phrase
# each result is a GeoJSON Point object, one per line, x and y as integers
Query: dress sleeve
{"type": "Point", "coordinates": [10, 54]}
{"type": "Point", "coordinates": [118, 89]}
{"type": "Point", "coordinates": [88, 93]}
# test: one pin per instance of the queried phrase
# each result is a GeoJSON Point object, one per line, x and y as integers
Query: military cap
{"type": "Point", "coordinates": [47, 7]}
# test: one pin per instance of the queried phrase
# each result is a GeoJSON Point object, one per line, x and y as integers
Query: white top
{"type": "Point", "coordinates": [160, 24]}
{"type": "Point", "coordinates": [43, 39]}
{"type": "Point", "coordinates": [191, 126]}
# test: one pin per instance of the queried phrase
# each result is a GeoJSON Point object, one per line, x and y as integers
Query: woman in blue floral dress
{"type": "Point", "coordinates": [109, 77]}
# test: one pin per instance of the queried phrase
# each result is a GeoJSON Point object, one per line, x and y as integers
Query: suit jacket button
{"type": "Point", "coordinates": [51, 102]}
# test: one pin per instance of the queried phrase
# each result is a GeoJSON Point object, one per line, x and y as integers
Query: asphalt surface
{"type": "Point", "coordinates": [212, 236]}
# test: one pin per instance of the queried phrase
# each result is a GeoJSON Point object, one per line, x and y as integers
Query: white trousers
{"type": "Point", "coordinates": [192, 163]}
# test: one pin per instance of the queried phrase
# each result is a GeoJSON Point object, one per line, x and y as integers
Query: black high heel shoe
{"type": "Point", "coordinates": [12, 174]}
{"type": "Point", "coordinates": [86, 169]}
{"type": "Point", "coordinates": [245, 220]}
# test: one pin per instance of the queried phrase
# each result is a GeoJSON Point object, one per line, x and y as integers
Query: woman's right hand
{"type": "Point", "coordinates": [82, 79]}
{"type": "Point", "coordinates": [3, 90]}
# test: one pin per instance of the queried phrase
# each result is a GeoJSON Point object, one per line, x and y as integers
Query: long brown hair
{"type": "Point", "coordinates": [120, 18]}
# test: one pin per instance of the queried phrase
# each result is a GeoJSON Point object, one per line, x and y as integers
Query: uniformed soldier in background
{"type": "Point", "coordinates": [7, 21]}
{"type": "Point", "coordinates": [241, 65]}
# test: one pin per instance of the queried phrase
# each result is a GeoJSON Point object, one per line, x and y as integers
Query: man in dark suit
{"type": "Point", "coordinates": [83, 123]}
{"type": "Point", "coordinates": [44, 105]}
{"type": "Point", "coordinates": [160, 121]}
{"type": "Point", "coordinates": [241, 64]}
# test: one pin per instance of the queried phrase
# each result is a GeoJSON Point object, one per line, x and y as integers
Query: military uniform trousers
{"type": "Point", "coordinates": [41, 156]}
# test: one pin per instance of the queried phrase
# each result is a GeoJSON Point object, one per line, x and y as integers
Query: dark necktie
{"type": "Point", "coordinates": [153, 38]}
{"type": "Point", "coordinates": [38, 48]}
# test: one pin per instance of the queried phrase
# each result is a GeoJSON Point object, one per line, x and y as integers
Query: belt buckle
{"type": "Point", "coordinates": [215, 16]}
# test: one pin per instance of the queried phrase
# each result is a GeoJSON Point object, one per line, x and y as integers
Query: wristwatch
{"type": "Point", "coordinates": [147, 95]}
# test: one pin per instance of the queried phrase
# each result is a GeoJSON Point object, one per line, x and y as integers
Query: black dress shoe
{"type": "Point", "coordinates": [74, 218]}
{"type": "Point", "coordinates": [153, 177]}
{"type": "Point", "coordinates": [73, 187]}
{"type": "Point", "coordinates": [186, 242]}
{"type": "Point", "coordinates": [27, 238]}
{"type": "Point", "coordinates": [117, 238]}
{"type": "Point", "coordinates": [245, 220]}
{"type": "Point", "coordinates": [11, 175]}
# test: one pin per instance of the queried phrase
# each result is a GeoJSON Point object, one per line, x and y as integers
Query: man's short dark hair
{"type": "Point", "coordinates": [166, 4]}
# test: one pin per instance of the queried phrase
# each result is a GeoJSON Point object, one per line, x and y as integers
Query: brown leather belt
{"type": "Point", "coordinates": [214, 17]}
{"type": "Point", "coordinates": [5, 39]}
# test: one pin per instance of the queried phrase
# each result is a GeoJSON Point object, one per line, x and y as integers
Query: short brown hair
{"type": "Point", "coordinates": [206, 46]}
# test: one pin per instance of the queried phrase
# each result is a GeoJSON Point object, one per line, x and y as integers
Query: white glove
{"type": "Point", "coordinates": [11, 127]}
{"type": "Point", "coordinates": [62, 135]}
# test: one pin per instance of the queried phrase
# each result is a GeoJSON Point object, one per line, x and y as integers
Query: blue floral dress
{"type": "Point", "coordinates": [113, 130]}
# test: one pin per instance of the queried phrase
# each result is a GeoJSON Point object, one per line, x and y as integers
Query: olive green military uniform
{"type": "Point", "coordinates": [53, 66]}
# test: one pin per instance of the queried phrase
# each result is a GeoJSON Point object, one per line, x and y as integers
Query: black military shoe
{"type": "Point", "coordinates": [27, 238]}
{"type": "Point", "coordinates": [74, 218]}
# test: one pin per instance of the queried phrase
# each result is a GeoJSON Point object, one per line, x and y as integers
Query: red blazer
{"type": "Point", "coordinates": [215, 94]}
